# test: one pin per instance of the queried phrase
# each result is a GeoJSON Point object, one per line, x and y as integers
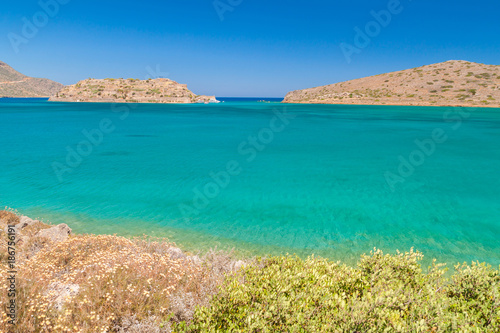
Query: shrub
{"type": "Point", "coordinates": [121, 285]}
{"type": "Point", "coordinates": [383, 293]}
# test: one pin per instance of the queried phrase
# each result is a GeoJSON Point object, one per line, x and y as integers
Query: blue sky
{"type": "Point", "coordinates": [259, 48]}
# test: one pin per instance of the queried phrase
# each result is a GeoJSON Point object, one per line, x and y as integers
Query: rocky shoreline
{"type": "Point", "coordinates": [388, 103]}
{"type": "Point", "coordinates": [61, 282]}
{"type": "Point", "coordinates": [58, 270]}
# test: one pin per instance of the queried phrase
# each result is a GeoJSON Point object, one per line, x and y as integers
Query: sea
{"type": "Point", "coordinates": [261, 177]}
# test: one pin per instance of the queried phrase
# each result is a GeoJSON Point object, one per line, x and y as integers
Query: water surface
{"type": "Point", "coordinates": [314, 181]}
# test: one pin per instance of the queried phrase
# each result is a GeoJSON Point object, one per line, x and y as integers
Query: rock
{"type": "Point", "coordinates": [62, 293]}
{"type": "Point", "coordinates": [24, 222]}
{"type": "Point", "coordinates": [238, 265]}
{"type": "Point", "coordinates": [176, 253]}
{"type": "Point", "coordinates": [130, 324]}
{"type": "Point", "coordinates": [195, 259]}
{"type": "Point", "coordinates": [57, 233]}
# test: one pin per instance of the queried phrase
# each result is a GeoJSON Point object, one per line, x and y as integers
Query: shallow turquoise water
{"type": "Point", "coordinates": [316, 184]}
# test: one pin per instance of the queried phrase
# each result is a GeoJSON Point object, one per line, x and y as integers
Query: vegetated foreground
{"type": "Point", "coordinates": [451, 83]}
{"type": "Point", "coordinates": [15, 84]}
{"type": "Point", "coordinates": [87, 283]}
{"type": "Point", "coordinates": [129, 91]}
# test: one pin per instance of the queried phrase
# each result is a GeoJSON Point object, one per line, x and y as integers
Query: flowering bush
{"type": "Point", "coordinates": [91, 283]}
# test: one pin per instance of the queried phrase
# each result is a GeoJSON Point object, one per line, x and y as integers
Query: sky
{"type": "Point", "coordinates": [243, 48]}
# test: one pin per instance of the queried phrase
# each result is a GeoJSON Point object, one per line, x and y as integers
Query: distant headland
{"type": "Point", "coordinates": [15, 84]}
{"type": "Point", "coordinates": [450, 83]}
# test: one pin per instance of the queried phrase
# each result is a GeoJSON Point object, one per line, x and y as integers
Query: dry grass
{"type": "Point", "coordinates": [27, 244]}
{"type": "Point", "coordinates": [8, 217]}
{"type": "Point", "coordinates": [107, 283]}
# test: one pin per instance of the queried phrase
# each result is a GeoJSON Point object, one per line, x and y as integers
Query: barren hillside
{"type": "Point", "coordinates": [15, 84]}
{"type": "Point", "coordinates": [454, 83]}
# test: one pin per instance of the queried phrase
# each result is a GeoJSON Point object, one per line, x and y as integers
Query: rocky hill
{"type": "Point", "coordinates": [15, 84]}
{"type": "Point", "coordinates": [453, 83]}
{"type": "Point", "coordinates": [129, 90]}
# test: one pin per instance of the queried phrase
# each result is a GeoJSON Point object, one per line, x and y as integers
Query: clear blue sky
{"type": "Point", "coordinates": [260, 48]}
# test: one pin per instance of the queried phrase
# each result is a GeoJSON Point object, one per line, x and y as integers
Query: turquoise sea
{"type": "Point", "coordinates": [333, 180]}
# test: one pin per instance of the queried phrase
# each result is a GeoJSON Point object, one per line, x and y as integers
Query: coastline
{"type": "Point", "coordinates": [125, 102]}
{"type": "Point", "coordinates": [198, 242]}
{"type": "Point", "coordinates": [393, 104]}
{"type": "Point", "coordinates": [57, 270]}
{"type": "Point", "coordinates": [91, 283]}
{"type": "Point", "coordinates": [451, 83]}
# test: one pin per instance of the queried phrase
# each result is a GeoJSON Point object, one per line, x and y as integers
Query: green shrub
{"type": "Point", "coordinates": [384, 293]}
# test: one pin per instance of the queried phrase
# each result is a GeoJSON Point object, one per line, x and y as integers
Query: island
{"type": "Point", "coordinates": [450, 83]}
{"type": "Point", "coordinates": [159, 90]}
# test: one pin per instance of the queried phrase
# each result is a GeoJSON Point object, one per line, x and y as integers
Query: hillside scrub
{"type": "Point", "coordinates": [104, 283]}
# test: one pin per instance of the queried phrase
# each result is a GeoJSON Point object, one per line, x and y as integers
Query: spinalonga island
{"type": "Point", "coordinates": [160, 90]}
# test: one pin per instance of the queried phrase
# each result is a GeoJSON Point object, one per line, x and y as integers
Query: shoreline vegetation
{"type": "Point", "coordinates": [107, 283]}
